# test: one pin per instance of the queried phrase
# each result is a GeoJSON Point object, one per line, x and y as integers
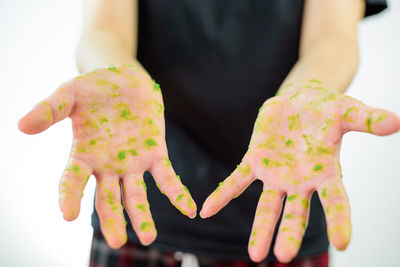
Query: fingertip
{"type": "Point", "coordinates": [115, 242]}
{"type": "Point", "coordinates": [283, 255]}
{"type": "Point", "coordinates": [383, 122]}
{"type": "Point", "coordinates": [70, 216]}
{"type": "Point", "coordinates": [148, 238]}
{"type": "Point", "coordinates": [69, 209]}
{"type": "Point", "coordinates": [205, 213]}
{"type": "Point", "coordinates": [37, 120]}
{"type": "Point", "coordinates": [340, 235]}
{"type": "Point", "coordinates": [286, 248]}
{"type": "Point", "coordinates": [25, 126]}
{"type": "Point", "coordinates": [256, 255]}
{"type": "Point", "coordinates": [201, 214]}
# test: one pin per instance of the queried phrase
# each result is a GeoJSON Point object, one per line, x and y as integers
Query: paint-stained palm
{"type": "Point", "coordinates": [118, 124]}
{"type": "Point", "coordinates": [294, 151]}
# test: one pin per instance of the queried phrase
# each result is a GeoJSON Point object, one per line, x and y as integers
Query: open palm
{"type": "Point", "coordinates": [118, 125]}
{"type": "Point", "coordinates": [295, 150]}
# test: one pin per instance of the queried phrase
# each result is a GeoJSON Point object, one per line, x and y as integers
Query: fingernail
{"type": "Point", "coordinates": [201, 215]}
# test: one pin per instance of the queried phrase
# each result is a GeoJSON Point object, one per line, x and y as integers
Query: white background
{"type": "Point", "coordinates": [38, 40]}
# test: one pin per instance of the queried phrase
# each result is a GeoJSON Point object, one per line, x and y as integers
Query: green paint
{"type": "Point", "coordinates": [316, 147]}
{"type": "Point", "coordinates": [261, 109]}
{"type": "Point", "coordinates": [145, 226]}
{"type": "Point", "coordinates": [92, 142]}
{"type": "Point", "coordinates": [156, 86]}
{"type": "Point", "coordinates": [252, 243]}
{"type": "Point", "coordinates": [289, 156]}
{"type": "Point", "coordinates": [315, 81]}
{"type": "Point", "coordinates": [114, 87]}
{"type": "Point", "coordinates": [381, 117]}
{"type": "Point", "coordinates": [266, 161]}
{"type": "Point", "coordinates": [305, 203]}
{"type": "Point", "coordinates": [160, 108]}
{"type": "Point", "coordinates": [120, 171]}
{"type": "Point", "coordinates": [143, 184]}
{"type": "Point", "coordinates": [178, 177]}
{"type": "Point", "coordinates": [316, 104]}
{"type": "Point", "coordinates": [133, 152]}
{"type": "Point", "coordinates": [75, 168]}
{"type": "Point", "coordinates": [104, 120]}
{"type": "Point", "coordinates": [292, 197]}
{"type": "Point", "coordinates": [327, 210]}
{"type": "Point", "coordinates": [304, 225]}
{"type": "Point", "coordinates": [167, 162]}
{"type": "Point", "coordinates": [186, 189]}
{"type": "Point", "coordinates": [294, 122]}
{"type": "Point", "coordinates": [323, 192]}
{"type": "Point", "coordinates": [347, 112]}
{"type": "Point", "coordinates": [254, 233]}
{"type": "Point", "coordinates": [288, 216]}
{"type": "Point", "coordinates": [121, 155]}
{"type": "Point", "coordinates": [179, 197]}
{"type": "Point", "coordinates": [308, 86]}
{"type": "Point", "coordinates": [244, 169]}
{"type": "Point", "coordinates": [125, 113]}
{"type": "Point", "coordinates": [283, 229]}
{"type": "Point", "coordinates": [327, 123]}
{"type": "Point", "coordinates": [368, 123]}
{"type": "Point", "coordinates": [149, 142]}
{"type": "Point", "coordinates": [114, 69]}
{"type": "Point", "coordinates": [318, 167]}
{"type": "Point", "coordinates": [295, 95]}
{"type": "Point", "coordinates": [339, 207]}
{"type": "Point", "coordinates": [289, 143]}
{"type": "Point", "coordinates": [108, 130]}
{"type": "Point", "coordinates": [110, 197]}
{"type": "Point", "coordinates": [141, 207]}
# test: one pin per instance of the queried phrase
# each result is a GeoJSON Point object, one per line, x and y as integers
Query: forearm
{"type": "Point", "coordinates": [332, 61]}
{"type": "Point", "coordinates": [99, 48]}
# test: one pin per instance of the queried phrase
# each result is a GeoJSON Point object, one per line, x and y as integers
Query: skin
{"type": "Point", "coordinates": [117, 117]}
{"type": "Point", "coordinates": [294, 150]}
{"type": "Point", "coordinates": [328, 52]}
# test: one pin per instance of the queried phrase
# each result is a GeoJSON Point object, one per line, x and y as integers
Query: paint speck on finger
{"type": "Point", "coordinates": [149, 143]}
{"type": "Point", "coordinates": [145, 226]}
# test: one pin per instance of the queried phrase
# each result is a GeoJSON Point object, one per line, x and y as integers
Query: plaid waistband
{"type": "Point", "coordinates": [134, 255]}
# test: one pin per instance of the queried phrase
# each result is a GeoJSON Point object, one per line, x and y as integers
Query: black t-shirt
{"type": "Point", "coordinates": [217, 62]}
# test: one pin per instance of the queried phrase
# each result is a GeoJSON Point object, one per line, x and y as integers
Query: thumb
{"type": "Point", "coordinates": [356, 116]}
{"type": "Point", "coordinates": [56, 107]}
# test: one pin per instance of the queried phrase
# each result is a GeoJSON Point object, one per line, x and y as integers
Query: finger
{"type": "Point", "coordinates": [53, 109]}
{"type": "Point", "coordinates": [109, 208]}
{"type": "Point", "coordinates": [335, 202]}
{"type": "Point", "coordinates": [230, 188]}
{"type": "Point", "coordinates": [71, 186]}
{"type": "Point", "coordinates": [267, 214]}
{"type": "Point", "coordinates": [359, 117]}
{"type": "Point", "coordinates": [293, 226]}
{"type": "Point", "coordinates": [138, 208]}
{"type": "Point", "coordinates": [170, 184]}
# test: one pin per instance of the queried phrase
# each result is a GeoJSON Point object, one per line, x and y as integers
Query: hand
{"type": "Point", "coordinates": [294, 150]}
{"type": "Point", "coordinates": [118, 125]}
